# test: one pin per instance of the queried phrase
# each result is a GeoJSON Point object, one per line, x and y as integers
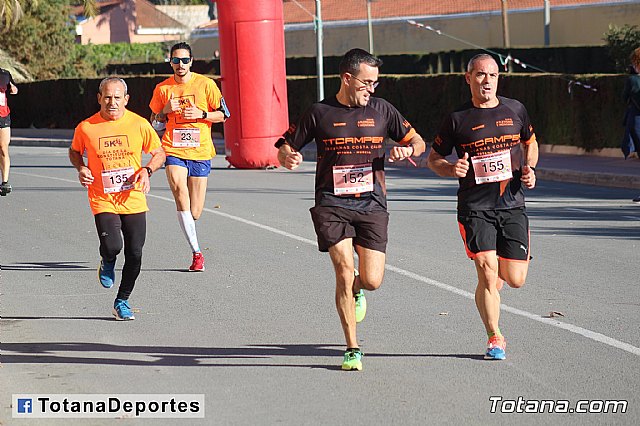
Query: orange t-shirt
{"type": "Point", "coordinates": [187, 139]}
{"type": "Point", "coordinates": [114, 151]}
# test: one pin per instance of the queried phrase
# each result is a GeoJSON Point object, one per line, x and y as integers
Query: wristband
{"type": "Point", "coordinates": [532, 168]}
{"type": "Point", "coordinates": [149, 172]}
{"type": "Point", "coordinates": [204, 115]}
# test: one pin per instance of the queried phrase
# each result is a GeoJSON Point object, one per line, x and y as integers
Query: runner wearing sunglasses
{"type": "Point", "coordinates": [350, 209]}
{"type": "Point", "coordinates": [188, 103]}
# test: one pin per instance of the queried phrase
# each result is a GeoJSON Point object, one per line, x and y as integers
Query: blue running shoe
{"type": "Point", "coordinates": [496, 348]}
{"type": "Point", "coordinates": [107, 273]}
{"type": "Point", "coordinates": [122, 311]}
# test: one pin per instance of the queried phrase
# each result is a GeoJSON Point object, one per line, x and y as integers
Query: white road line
{"type": "Point", "coordinates": [580, 210]}
{"type": "Point", "coordinates": [598, 337]}
{"type": "Point", "coordinates": [548, 321]}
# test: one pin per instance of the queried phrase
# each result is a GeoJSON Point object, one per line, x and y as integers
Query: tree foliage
{"type": "Point", "coordinates": [43, 39]}
{"type": "Point", "coordinates": [622, 41]}
{"type": "Point", "coordinates": [92, 59]}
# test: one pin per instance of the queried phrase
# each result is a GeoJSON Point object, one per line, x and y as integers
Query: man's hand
{"type": "Point", "coordinates": [399, 153]}
{"type": "Point", "coordinates": [85, 177]}
{"type": "Point", "coordinates": [191, 112]}
{"type": "Point", "coordinates": [141, 177]}
{"type": "Point", "coordinates": [172, 105]}
{"type": "Point", "coordinates": [528, 177]}
{"type": "Point", "coordinates": [461, 167]}
{"type": "Point", "coordinates": [292, 160]}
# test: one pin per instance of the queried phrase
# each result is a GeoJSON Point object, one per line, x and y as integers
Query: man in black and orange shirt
{"type": "Point", "coordinates": [497, 152]}
{"type": "Point", "coordinates": [350, 194]}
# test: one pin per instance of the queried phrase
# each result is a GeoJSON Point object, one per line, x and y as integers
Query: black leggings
{"type": "Point", "coordinates": [111, 229]}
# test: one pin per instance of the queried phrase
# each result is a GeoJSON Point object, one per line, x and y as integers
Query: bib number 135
{"type": "Point", "coordinates": [117, 180]}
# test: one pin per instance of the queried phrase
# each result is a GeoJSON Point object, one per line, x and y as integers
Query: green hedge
{"type": "Point", "coordinates": [578, 117]}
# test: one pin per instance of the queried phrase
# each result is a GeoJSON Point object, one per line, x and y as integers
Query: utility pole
{"type": "Point", "coordinates": [319, 50]}
{"type": "Point", "coordinates": [547, 23]}
{"type": "Point", "coordinates": [505, 24]}
{"type": "Point", "coordinates": [370, 28]}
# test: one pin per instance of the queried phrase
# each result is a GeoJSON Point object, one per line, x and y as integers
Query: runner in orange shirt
{"type": "Point", "coordinates": [114, 139]}
{"type": "Point", "coordinates": [189, 104]}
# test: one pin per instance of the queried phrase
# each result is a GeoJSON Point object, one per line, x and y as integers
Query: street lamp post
{"type": "Point", "coordinates": [319, 50]}
{"type": "Point", "coordinates": [369, 26]}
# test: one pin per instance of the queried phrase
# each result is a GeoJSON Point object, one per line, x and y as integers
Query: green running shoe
{"type": "Point", "coordinates": [361, 305]}
{"type": "Point", "coordinates": [352, 360]}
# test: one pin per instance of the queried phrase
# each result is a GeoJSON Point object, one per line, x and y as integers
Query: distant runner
{"type": "Point", "coordinates": [189, 104]}
{"type": "Point", "coordinates": [7, 87]}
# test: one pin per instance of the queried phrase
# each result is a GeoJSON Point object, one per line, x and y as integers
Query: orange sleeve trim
{"type": "Point", "coordinates": [531, 140]}
{"type": "Point", "coordinates": [411, 133]}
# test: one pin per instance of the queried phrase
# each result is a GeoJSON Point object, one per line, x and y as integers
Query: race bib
{"type": "Point", "coordinates": [117, 180]}
{"type": "Point", "coordinates": [354, 179]}
{"type": "Point", "coordinates": [492, 167]}
{"type": "Point", "coordinates": [3, 99]}
{"type": "Point", "coordinates": [186, 138]}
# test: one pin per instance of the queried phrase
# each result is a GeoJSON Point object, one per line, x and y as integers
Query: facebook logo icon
{"type": "Point", "coordinates": [24, 405]}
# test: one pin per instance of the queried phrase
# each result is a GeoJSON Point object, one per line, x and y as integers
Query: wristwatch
{"type": "Point", "coordinates": [204, 114]}
{"type": "Point", "coordinates": [149, 171]}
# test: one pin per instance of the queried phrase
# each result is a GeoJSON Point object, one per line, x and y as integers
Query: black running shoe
{"type": "Point", "coordinates": [5, 188]}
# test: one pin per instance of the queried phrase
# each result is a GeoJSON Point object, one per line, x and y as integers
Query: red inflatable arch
{"type": "Point", "coordinates": [252, 62]}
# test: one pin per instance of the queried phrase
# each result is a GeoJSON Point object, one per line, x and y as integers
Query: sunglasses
{"type": "Point", "coordinates": [176, 60]}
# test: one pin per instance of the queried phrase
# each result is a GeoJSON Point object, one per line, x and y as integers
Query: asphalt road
{"type": "Point", "coordinates": [257, 332]}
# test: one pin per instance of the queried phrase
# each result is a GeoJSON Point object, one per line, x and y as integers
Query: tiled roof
{"type": "Point", "coordinates": [147, 15]}
{"type": "Point", "coordinates": [343, 10]}
{"type": "Point", "coordinates": [301, 11]}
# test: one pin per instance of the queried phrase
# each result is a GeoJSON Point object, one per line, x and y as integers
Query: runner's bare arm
{"type": "Point", "coordinates": [13, 89]}
{"type": "Point", "coordinates": [288, 157]}
{"type": "Point", "coordinates": [531, 160]}
{"type": "Point", "coordinates": [442, 167]}
{"type": "Point", "coordinates": [84, 174]}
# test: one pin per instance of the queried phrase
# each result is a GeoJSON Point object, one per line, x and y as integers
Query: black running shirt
{"type": "Point", "coordinates": [351, 152]}
{"type": "Point", "coordinates": [493, 137]}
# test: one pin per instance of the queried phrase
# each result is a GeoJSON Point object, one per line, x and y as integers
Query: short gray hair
{"type": "Point", "coordinates": [108, 80]}
{"type": "Point", "coordinates": [478, 57]}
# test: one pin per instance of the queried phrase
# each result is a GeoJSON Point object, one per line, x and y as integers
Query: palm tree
{"type": "Point", "coordinates": [10, 13]}
{"type": "Point", "coordinates": [12, 10]}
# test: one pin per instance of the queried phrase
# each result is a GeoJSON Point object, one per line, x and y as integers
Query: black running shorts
{"type": "Point", "coordinates": [334, 224]}
{"type": "Point", "coordinates": [505, 231]}
{"type": "Point", "coordinates": [5, 122]}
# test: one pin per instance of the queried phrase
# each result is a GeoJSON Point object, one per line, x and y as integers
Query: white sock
{"type": "Point", "coordinates": [188, 225]}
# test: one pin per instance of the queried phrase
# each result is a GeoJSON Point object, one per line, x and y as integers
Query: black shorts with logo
{"type": "Point", "coordinates": [5, 122]}
{"type": "Point", "coordinates": [505, 231]}
{"type": "Point", "coordinates": [334, 224]}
